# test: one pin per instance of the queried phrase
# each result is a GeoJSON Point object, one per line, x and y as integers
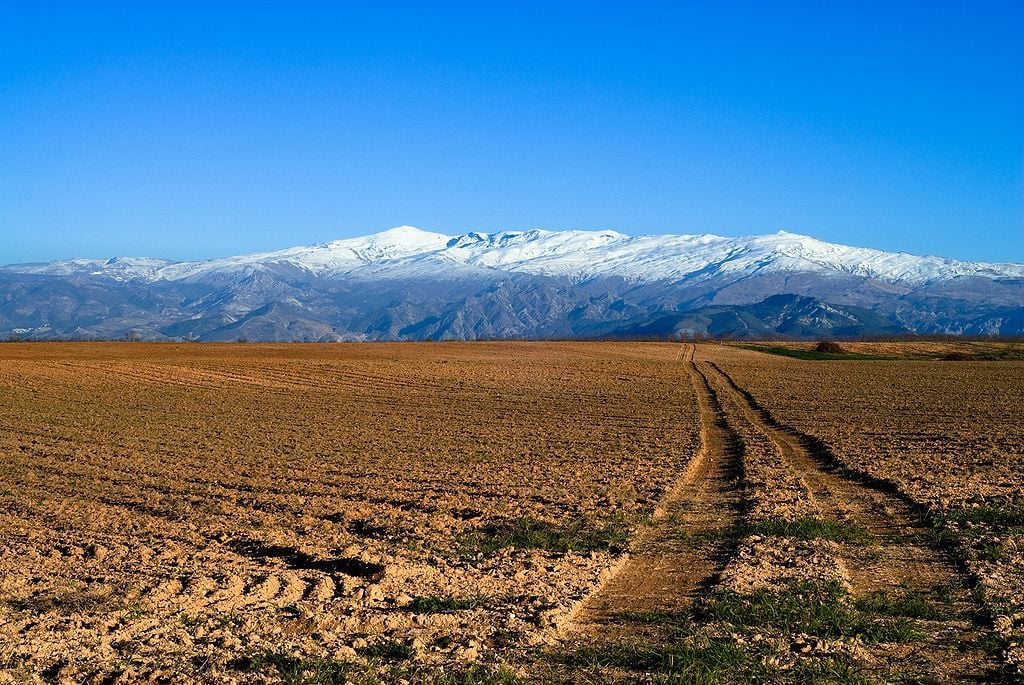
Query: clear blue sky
{"type": "Point", "coordinates": [199, 130]}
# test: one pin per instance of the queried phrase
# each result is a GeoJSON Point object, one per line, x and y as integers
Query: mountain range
{"type": "Point", "coordinates": [410, 284]}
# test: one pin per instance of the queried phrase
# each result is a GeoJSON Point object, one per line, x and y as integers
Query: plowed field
{"type": "Point", "coordinates": [505, 512]}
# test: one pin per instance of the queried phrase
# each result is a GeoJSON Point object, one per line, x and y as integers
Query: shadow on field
{"type": "Point", "coordinates": [298, 560]}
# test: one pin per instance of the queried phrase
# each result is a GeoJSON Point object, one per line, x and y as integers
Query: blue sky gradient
{"type": "Point", "coordinates": [198, 130]}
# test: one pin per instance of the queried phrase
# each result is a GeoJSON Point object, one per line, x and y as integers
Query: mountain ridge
{"type": "Point", "coordinates": [568, 253]}
{"type": "Point", "coordinates": [410, 284]}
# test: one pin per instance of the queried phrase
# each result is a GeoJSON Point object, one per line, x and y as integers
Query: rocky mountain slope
{"type": "Point", "coordinates": [406, 283]}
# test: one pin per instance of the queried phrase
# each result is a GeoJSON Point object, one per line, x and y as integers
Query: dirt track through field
{"type": "Point", "coordinates": [168, 511]}
{"type": "Point", "coordinates": [685, 548]}
{"type": "Point", "coordinates": [897, 560]}
{"type": "Point", "coordinates": [682, 553]}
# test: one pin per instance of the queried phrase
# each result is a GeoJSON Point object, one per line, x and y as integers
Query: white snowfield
{"type": "Point", "coordinates": [408, 252]}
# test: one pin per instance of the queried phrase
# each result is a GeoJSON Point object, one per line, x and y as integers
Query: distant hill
{"type": "Point", "coordinates": [408, 284]}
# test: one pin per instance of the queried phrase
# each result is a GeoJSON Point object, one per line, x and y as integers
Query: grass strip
{"type": "Point", "coordinates": [530, 533]}
{"type": "Point", "coordinates": [910, 604]}
{"type": "Point", "coordinates": [313, 670]}
{"type": "Point", "coordinates": [434, 604]}
{"type": "Point", "coordinates": [814, 355]}
{"type": "Point", "coordinates": [703, 660]}
{"type": "Point", "coordinates": [821, 610]}
{"type": "Point", "coordinates": [1008, 515]}
{"type": "Point", "coordinates": [810, 528]}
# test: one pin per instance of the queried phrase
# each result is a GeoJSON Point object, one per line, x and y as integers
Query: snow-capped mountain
{"type": "Point", "coordinates": [406, 283]}
{"type": "Point", "coordinates": [579, 255]}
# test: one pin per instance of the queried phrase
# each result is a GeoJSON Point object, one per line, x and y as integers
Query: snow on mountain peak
{"type": "Point", "coordinates": [410, 252]}
{"type": "Point", "coordinates": [400, 241]}
{"type": "Point", "coordinates": [406, 235]}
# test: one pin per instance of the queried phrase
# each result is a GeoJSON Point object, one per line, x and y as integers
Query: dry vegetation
{"type": "Point", "coordinates": [506, 512]}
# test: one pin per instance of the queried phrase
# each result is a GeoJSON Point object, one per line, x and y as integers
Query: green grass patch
{"type": "Point", "coordinates": [312, 670]}
{"type": "Point", "coordinates": [704, 660]}
{"type": "Point", "coordinates": [813, 355]}
{"type": "Point", "coordinates": [692, 646]}
{"type": "Point", "coordinates": [473, 675]}
{"type": "Point", "coordinates": [699, 660]}
{"type": "Point", "coordinates": [389, 650]}
{"type": "Point", "coordinates": [822, 610]}
{"type": "Point", "coordinates": [811, 528]}
{"type": "Point", "coordinates": [530, 533]}
{"type": "Point", "coordinates": [669, 625]}
{"type": "Point", "coordinates": [838, 670]}
{"type": "Point", "coordinates": [909, 603]}
{"type": "Point", "coordinates": [293, 670]}
{"type": "Point", "coordinates": [1010, 515]}
{"type": "Point", "coordinates": [984, 356]}
{"type": "Point", "coordinates": [937, 534]}
{"type": "Point", "coordinates": [996, 644]}
{"type": "Point", "coordinates": [991, 551]}
{"type": "Point", "coordinates": [973, 528]}
{"type": "Point", "coordinates": [440, 605]}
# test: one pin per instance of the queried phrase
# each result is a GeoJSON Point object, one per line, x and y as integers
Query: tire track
{"type": "Point", "coordinates": [684, 550]}
{"type": "Point", "coordinates": [887, 517]}
{"type": "Point", "coordinates": [899, 560]}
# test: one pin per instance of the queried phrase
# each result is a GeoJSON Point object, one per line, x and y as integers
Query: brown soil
{"type": "Point", "coordinates": [168, 511]}
{"type": "Point", "coordinates": [946, 438]}
{"type": "Point", "coordinates": [687, 545]}
{"type": "Point", "coordinates": [899, 559]}
{"type": "Point", "coordinates": [788, 475]}
{"type": "Point", "coordinates": [952, 349]}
